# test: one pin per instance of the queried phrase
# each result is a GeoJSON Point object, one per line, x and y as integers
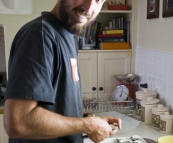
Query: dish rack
{"type": "Point", "coordinates": [103, 102]}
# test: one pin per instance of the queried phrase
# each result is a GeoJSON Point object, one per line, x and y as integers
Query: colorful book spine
{"type": "Point", "coordinates": [112, 31]}
{"type": "Point", "coordinates": [110, 35]}
{"type": "Point", "coordinates": [95, 27]}
{"type": "Point", "coordinates": [127, 31]}
{"type": "Point", "coordinates": [111, 39]}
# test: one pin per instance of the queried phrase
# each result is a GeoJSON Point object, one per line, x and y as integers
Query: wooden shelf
{"type": "Point", "coordinates": [116, 11]}
{"type": "Point", "coordinates": [97, 50]}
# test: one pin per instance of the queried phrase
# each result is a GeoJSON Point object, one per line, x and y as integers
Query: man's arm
{"type": "Point", "coordinates": [24, 119]}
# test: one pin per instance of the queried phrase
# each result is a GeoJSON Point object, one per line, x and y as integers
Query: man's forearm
{"type": "Point", "coordinates": [38, 123]}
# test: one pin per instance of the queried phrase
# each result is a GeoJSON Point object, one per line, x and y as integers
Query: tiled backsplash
{"type": "Point", "coordinates": [155, 68]}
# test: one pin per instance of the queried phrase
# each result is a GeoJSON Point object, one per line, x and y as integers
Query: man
{"type": "Point", "coordinates": [43, 102]}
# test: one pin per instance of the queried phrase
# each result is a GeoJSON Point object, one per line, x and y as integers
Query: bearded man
{"type": "Point", "coordinates": [43, 101]}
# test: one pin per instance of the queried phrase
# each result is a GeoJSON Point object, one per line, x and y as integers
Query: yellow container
{"type": "Point", "coordinates": [115, 46]}
{"type": "Point", "coordinates": [165, 139]}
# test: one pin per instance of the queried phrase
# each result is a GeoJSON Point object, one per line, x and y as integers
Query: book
{"type": "Point", "coordinates": [110, 35]}
{"type": "Point", "coordinates": [95, 27]}
{"type": "Point", "coordinates": [98, 30]}
{"type": "Point", "coordinates": [111, 39]}
{"type": "Point", "coordinates": [92, 28]}
{"type": "Point", "coordinates": [119, 20]}
{"type": "Point", "coordinates": [87, 34]}
{"type": "Point", "coordinates": [122, 22]}
{"type": "Point", "coordinates": [127, 31]}
{"type": "Point", "coordinates": [114, 46]}
{"type": "Point", "coordinates": [112, 31]}
{"type": "Point", "coordinates": [114, 23]}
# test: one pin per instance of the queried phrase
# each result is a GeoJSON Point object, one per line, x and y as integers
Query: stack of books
{"type": "Point", "coordinates": [112, 36]}
{"type": "Point", "coordinates": [116, 37]}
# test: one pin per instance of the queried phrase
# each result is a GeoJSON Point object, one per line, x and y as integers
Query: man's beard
{"type": "Point", "coordinates": [70, 24]}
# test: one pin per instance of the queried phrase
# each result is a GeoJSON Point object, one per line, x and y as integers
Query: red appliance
{"type": "Point", "coordinates": [127, 80]}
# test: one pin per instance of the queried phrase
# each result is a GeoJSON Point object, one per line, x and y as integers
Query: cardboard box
{"type": "Point", "coordinates": [114, 46]}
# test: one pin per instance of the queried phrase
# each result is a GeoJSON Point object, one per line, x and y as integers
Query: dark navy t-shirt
{"type": "Point", "coordinates": [43, 67]}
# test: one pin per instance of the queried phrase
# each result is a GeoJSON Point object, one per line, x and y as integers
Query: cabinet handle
{"type": "Point", "coordinates": [93, 88]}
{"type": "Point", "coordinates": [101, 88]}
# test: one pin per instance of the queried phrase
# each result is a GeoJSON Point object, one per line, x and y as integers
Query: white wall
{"type": "Point", "coordinates": [13, 23]}
{"type": "Point", "coordinates": [154, 53]}
{"type": "Point", "coordinates": [154, 33]}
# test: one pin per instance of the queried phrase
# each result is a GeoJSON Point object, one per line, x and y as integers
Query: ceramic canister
{"type": "Point", "coordinates": [142, 95]}
{"type": "Point", "coordinates": [146, 109]}
{"type": "Point", "coordinates": [156, 112]}
{"type": "Point", "coordinates": [166, 123]}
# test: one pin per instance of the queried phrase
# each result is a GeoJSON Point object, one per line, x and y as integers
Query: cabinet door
{"type": "Point", "coordinates": [3, 135]}
{"type": "Point", "coordinates": [110, 64]}
{"type": "Point", "coordinates": [88, 71]}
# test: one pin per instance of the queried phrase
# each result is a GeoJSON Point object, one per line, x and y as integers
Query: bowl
{"type": "Point", "coordinates": [125, 77]}
{"type": "Point", "coordinates": [165, 139]}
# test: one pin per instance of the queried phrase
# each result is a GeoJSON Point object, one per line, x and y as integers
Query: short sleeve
{"type": "Point", "coordinates": [30, 68]}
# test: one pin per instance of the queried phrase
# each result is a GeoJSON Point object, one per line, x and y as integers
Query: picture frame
{"type": "Point", "coordinates": [167, 8]}
{"type": "Point", "coordinates": [152, 9]}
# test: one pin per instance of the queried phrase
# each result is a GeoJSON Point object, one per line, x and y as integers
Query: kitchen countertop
{"type": "Point", "coordinates": [143, 130]}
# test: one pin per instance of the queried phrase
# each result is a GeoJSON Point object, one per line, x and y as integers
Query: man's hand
{"type": "Point", "coordinates": [113, 121]}
{"type": "Point", "coordinates": [99, 128]}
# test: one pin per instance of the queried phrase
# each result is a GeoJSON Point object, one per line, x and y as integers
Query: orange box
{"type": "Point", "coordinates": [114, 46]}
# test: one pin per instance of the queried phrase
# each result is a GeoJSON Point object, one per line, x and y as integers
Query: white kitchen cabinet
{"type": "Point", "coordinates": [88, 71]}
{"type": "Point", "coordinates": [98, 67]}
{"type": "Point", "coordinates": [3, 135]}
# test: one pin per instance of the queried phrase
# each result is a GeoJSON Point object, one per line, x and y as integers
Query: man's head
{"type": "Point", "coordinates": [76, 15]}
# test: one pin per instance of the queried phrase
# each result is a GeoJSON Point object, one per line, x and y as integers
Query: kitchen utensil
{"type": "Point", "coordinates": [125, 77]}
{"type": "Point", "coordinates": [156, 112]}
{"type": "Point", "coordinates": [146, 109]}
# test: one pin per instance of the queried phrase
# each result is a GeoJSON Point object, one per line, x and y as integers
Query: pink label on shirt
{"type": "Point", "coordinates": [74, 70]}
